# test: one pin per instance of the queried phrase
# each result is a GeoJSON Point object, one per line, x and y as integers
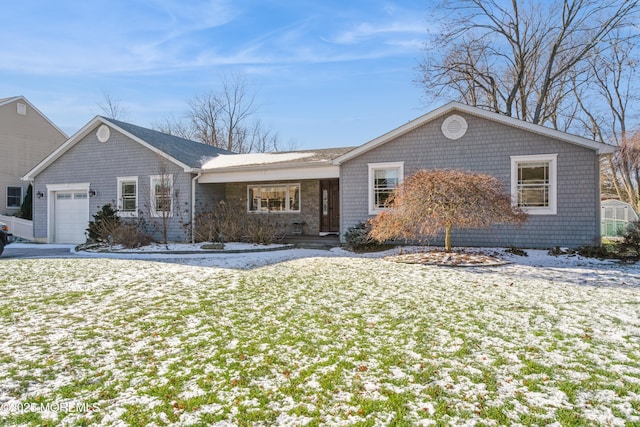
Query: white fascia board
{"type": "Point", "coordinates": [269, 174]}
{"type": "Point", "coordinates": [10, 100]}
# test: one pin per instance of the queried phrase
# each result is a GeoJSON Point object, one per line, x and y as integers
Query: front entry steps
{"type": "Point", "coordinates": [312, 242]}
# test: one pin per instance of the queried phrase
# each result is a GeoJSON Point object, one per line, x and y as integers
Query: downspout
{"type": "Point", "coordinates": [598, 239]}
{"type": "Point", "coordinates": [193, 205]}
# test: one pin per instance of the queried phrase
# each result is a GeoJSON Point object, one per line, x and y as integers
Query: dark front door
{"type": "Point", "coordinates": [329, 206]}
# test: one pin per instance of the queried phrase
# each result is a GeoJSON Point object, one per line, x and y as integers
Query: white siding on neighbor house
{"type": "Point", "coordinates": [100, 164]}
{"type": "Point", "coordinates": [487, 147]}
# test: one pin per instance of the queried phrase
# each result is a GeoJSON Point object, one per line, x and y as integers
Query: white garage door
{"type": "Point", "coordinates": [71, 216]}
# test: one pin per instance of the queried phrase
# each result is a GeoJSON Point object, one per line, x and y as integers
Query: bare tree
{"type": "Point", "coordinates": [625, 167]}
{"type": "Point", "coordinates": [112, 108]}
{"type": "Point", "coordinates": [162, 197]}
{"type": "Point", "coordinates": [205, 112]}
{"type": "Point", "coordinates": [517, 57]}
{"type": "Point", "coordinates": [237, 106]}
{"type": "Point", "coordinates": [260, 139]}
{"type": "Point", "coordinates": [429, 202]}
{"type": "Point", "coordinates": [172, 126]}
{"type": "Point", "coordinates": [224, 119]}
{"type": "Point", "coordinates": [606, 109]}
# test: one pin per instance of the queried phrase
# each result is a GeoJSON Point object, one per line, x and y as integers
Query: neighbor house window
{"type": "Point", "coordinates": [128, 196]}
{"type": "Point", "coordinates": [383, 180]}
{"type": "Point", "coordinates": [14, 197]}
{"type": "Point", "coordinates": [273, 198]}
{"type": "Point", "coordinates": [162, 195]}
{"type": "Point", "coordinates": [534, 182]}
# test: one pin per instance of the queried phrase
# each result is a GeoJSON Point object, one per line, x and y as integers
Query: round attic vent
{"type": "Point", "coordinates": [103, 133]}
{"type": "Point", "coordinates": [454, 127]}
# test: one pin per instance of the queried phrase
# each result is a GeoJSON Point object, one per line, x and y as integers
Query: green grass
{"type": "Point", "coordinates": [315, 342]}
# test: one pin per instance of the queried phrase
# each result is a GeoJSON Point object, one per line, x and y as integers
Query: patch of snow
{"type": "Point", "coordinates": [231, 160]}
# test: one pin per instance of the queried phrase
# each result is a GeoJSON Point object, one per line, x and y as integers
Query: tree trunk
{"type": "Point", "coordinates": [447, 238]}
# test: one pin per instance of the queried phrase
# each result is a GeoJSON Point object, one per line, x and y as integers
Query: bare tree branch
{"type": "Point", "coordinates": [112, 108]}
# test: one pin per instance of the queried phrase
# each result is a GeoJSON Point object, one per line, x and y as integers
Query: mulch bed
{"type": "Point", "coordinates": [449, 259]}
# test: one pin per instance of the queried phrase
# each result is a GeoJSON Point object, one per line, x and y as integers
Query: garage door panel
{"type": "Point", "coordinates": [71, 216]}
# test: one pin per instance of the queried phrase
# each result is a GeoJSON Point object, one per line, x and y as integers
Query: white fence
{"type": "Point", "coordinates": [19, 227]}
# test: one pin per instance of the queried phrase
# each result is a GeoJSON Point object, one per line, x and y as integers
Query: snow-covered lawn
{"type": "Point", "coordinates": [318, 340]}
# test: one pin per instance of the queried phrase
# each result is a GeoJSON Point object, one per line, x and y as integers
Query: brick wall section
{"type": "Point", "coordinates": [487, 147]}
{"type": "Point", "coordinates": [236, 193]}
{"type": "Point", "coordinates": [100, 164]}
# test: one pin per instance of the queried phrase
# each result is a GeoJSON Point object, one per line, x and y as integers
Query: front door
{"type": "Point", "coordinates": [329, 206]}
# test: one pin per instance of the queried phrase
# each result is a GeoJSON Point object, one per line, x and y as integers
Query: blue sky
{"type": "Point", "coordinates": [326, 73]}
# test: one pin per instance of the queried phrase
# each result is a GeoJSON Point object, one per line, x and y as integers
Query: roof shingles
{"type": "Point", "coordinates": [191, 153]}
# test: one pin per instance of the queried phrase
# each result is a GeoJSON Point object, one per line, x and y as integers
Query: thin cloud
{"type": "Point", "coordinates": [122, 38]}
{"type": "Point", "coordinates": [366, 31]}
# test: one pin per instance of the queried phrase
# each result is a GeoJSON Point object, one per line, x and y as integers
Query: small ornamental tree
{"type": "Point", "coordinates": [432, 201]}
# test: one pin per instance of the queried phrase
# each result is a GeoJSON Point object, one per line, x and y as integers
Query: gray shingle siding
{"type": "Point", "coordinates": [100, 164]}
{"type": "Point", "coordinates": [487, 147]}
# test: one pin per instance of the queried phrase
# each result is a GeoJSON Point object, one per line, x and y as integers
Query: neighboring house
{"type": "Point", "coordinates": [616, 216]}
{"type": "Point", "coordinates": [26, 137]}
{"type": "Point", "coordinates": [146, 174]}
{"type": "Point", "coordinates": [554, 176]}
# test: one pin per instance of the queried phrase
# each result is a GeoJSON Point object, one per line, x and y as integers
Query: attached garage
{"type": "Point", "coordinates": [68, 213]}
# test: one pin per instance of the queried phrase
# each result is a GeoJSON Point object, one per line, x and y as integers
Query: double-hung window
{"type": "Point", "coordinates": [14, 197]}
{"type": "Point", "coordinates": [162, 195]}
{"type": "Point", "coordinates": [273, 198]}
{"type": "Point", "coordinates": [128, 196]}
{"type": "Point", "coordinates": [383, 180]}
{"type": "Point", "coordinates": [534, 183]}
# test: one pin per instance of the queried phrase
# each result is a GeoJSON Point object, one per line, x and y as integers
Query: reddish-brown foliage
{"type": "Point", "coordinates": [432, 201]}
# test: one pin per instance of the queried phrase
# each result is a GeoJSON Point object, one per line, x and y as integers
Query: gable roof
{"type": "Point", "coordinates": [190, 155]}
{"type": "Point", "coordinates": [6, 101]}
{"type": "Point", "coordinates": [599, 147]}
{"type": "Point", "coordinates": [186, 151]}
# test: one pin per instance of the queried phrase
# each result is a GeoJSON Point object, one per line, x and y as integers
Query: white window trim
{"type": "Point", "coordinates": [152, 192]}
{"type": "Point", "coordinates": [120, 180]}
{"type": "Point", "coordinates": [377, 166]}
{"type": "Point", "coordinates": [6, 200]}
{"type": "Point", "coordinates": [288, 199]}
{"type": "Point", "coordinates": [552, 209]}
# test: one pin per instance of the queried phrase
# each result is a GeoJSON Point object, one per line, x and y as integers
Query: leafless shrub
{"type": "Point", "coordinates": [226, 222]}
{"type": "Point", "coordinates": [131, 236]}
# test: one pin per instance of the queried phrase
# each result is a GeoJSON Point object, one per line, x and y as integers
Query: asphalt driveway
{"type": "Point", "coordinates": [31, 250]}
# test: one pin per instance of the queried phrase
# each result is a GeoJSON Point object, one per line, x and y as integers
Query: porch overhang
{"type": "Point", "coordinates": [269, 173]}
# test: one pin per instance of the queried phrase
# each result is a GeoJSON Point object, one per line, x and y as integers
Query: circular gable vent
{"type": "Point", "coordinates": [454, 127]}
{"type": "Point", "coordinates": [103, 133]}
